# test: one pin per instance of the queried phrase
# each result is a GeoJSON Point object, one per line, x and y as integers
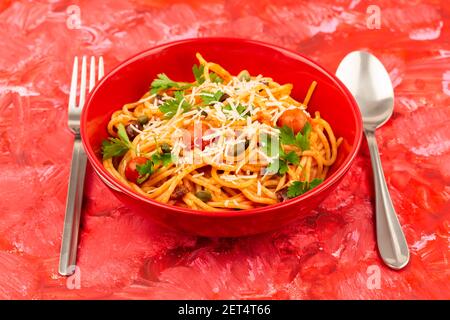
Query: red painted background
{"type": "Point", "coordinates": [331, 254]}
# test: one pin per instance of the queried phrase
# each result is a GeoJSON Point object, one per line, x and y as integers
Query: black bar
{"type": "Point", "coordinates": [229, 309]}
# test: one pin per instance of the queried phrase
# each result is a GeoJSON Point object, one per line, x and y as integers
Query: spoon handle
{"type": "Point", "coordinates": [390, 238]}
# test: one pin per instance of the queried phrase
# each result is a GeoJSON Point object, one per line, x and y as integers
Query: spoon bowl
{"type": "Point", "coordinates": [369, 82]}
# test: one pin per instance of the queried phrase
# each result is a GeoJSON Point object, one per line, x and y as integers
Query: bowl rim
{"type": "Point", "coordinates": [327, 184]}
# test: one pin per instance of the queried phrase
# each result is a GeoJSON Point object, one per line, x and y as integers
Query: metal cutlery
{"type": "Point", "coordinates": [368, 81]}
{"type": "Point", "coordinates": [68, 254]}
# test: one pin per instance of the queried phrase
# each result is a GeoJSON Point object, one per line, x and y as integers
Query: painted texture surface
{"type": "Point", "coordinates": [330, 254]}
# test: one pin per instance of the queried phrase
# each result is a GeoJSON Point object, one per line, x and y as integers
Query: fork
{"type": "Point", "coordinates": [68, 254]}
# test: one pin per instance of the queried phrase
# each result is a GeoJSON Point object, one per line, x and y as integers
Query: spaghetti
{"type": "Point", "coordinates": [222, 142]}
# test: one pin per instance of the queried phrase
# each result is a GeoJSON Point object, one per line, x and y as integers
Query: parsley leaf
{"type": "Point", "coordinates": [302, 140]}
{"type": "Point", "coordinates": [115, 147]}
{"type": "Point", "coordinates": [239, 108]}
{"type": "Point", "coordinates": [146, 168]}
{"type": "Point", "coordinates": [170, 107]}
{"type": "Point", "coordinates": [209, 97]}
{"type": "Point", "coordinates": [162, 158]}
{"type": "Point", "coordinates": [314, 183]}
{"type": "Point", "coordinates": [166, 159]}
{"type": "Point", "coordinates": [122, 133]}
{"type": "Point", "coordinates": [283, 161]}
{"type": "Point", "coordinates": [295, 189]}
{"type": "Point", "coordinates": [163, 82]}
{"type": "Point", "coordinates": [215, 78]}
{"type": "Point", "coordinates": [286, 135]}
{"type": "Point", "coordinates": [198, 74]}
{"type": "Point", "coordinates": [282, 158]}
{"type": "Point", "coordinates": [282, 167]}
{"type": "Point", "coordinates": [292, 157]}
{"type": "Point", "coordinates": [197, 70]}
{"type": "Point", "coordinates": [300, 187]}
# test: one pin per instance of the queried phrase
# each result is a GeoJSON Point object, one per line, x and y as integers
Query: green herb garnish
{"type": "Point", "coordinates": [116, 147]}
{"type": "Point", "coordinates": [163, 82]}
{"type": "Point", "coordinates": [170, 107]}
{"type": "Point", "coordinates": [162, 158]}
{"type": "Point", "coordinates": [197, 70]}
{"type": "Point", "coordinates": [148, 167]}
{"type": "Point", "coordinates": [286, 135]}
{"type": "Point", "coordinates": [145, 171]}
{"type": "Point", "coordinates": [198, 73]}
{"type": "Point", "coordinates": [301, 140]}
{"type": "Point", "coordinates": [208, 97]}
{"type": "Point", "coordinates": [283, 158]}
{"type": "Point", "coordinates": [300, 187]}
{"type": "Point", "coordinates": [240, 109]}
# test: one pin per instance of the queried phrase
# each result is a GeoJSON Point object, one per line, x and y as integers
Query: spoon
{"type": "Point", "coordinates": [368, 81]}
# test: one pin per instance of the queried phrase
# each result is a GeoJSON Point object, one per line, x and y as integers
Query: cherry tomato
{"type": "Point", "coordinates": [196, 135]}
{"type": "Point", "coordinates": [294, 119]}
{"type": "Point", "coordinates": [131, 171]}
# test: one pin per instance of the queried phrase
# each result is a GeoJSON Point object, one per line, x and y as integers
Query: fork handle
{"type": "Point", "coordinates": [74, 202]}
{"type": "Point", "coordinates": [390, 238]}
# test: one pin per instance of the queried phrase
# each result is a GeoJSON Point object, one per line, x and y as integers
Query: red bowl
{"type": "Point", "coordinates": [132, 78]}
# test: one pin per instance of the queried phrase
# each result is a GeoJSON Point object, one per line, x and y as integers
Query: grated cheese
{"type": "Point", "coordinates": [259, 188]}
{"type": "Point", "coordinates": [198, 175]}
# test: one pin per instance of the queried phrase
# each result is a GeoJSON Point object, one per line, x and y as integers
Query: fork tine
{"type": "Point", "coordinates": [83, 82]}
{"type": "Point", "coordinates": [92, 74]}
{"type": "Point", "coordinates": [101, 68]}
{"type": "Point", "coordinates": [73, 84]}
